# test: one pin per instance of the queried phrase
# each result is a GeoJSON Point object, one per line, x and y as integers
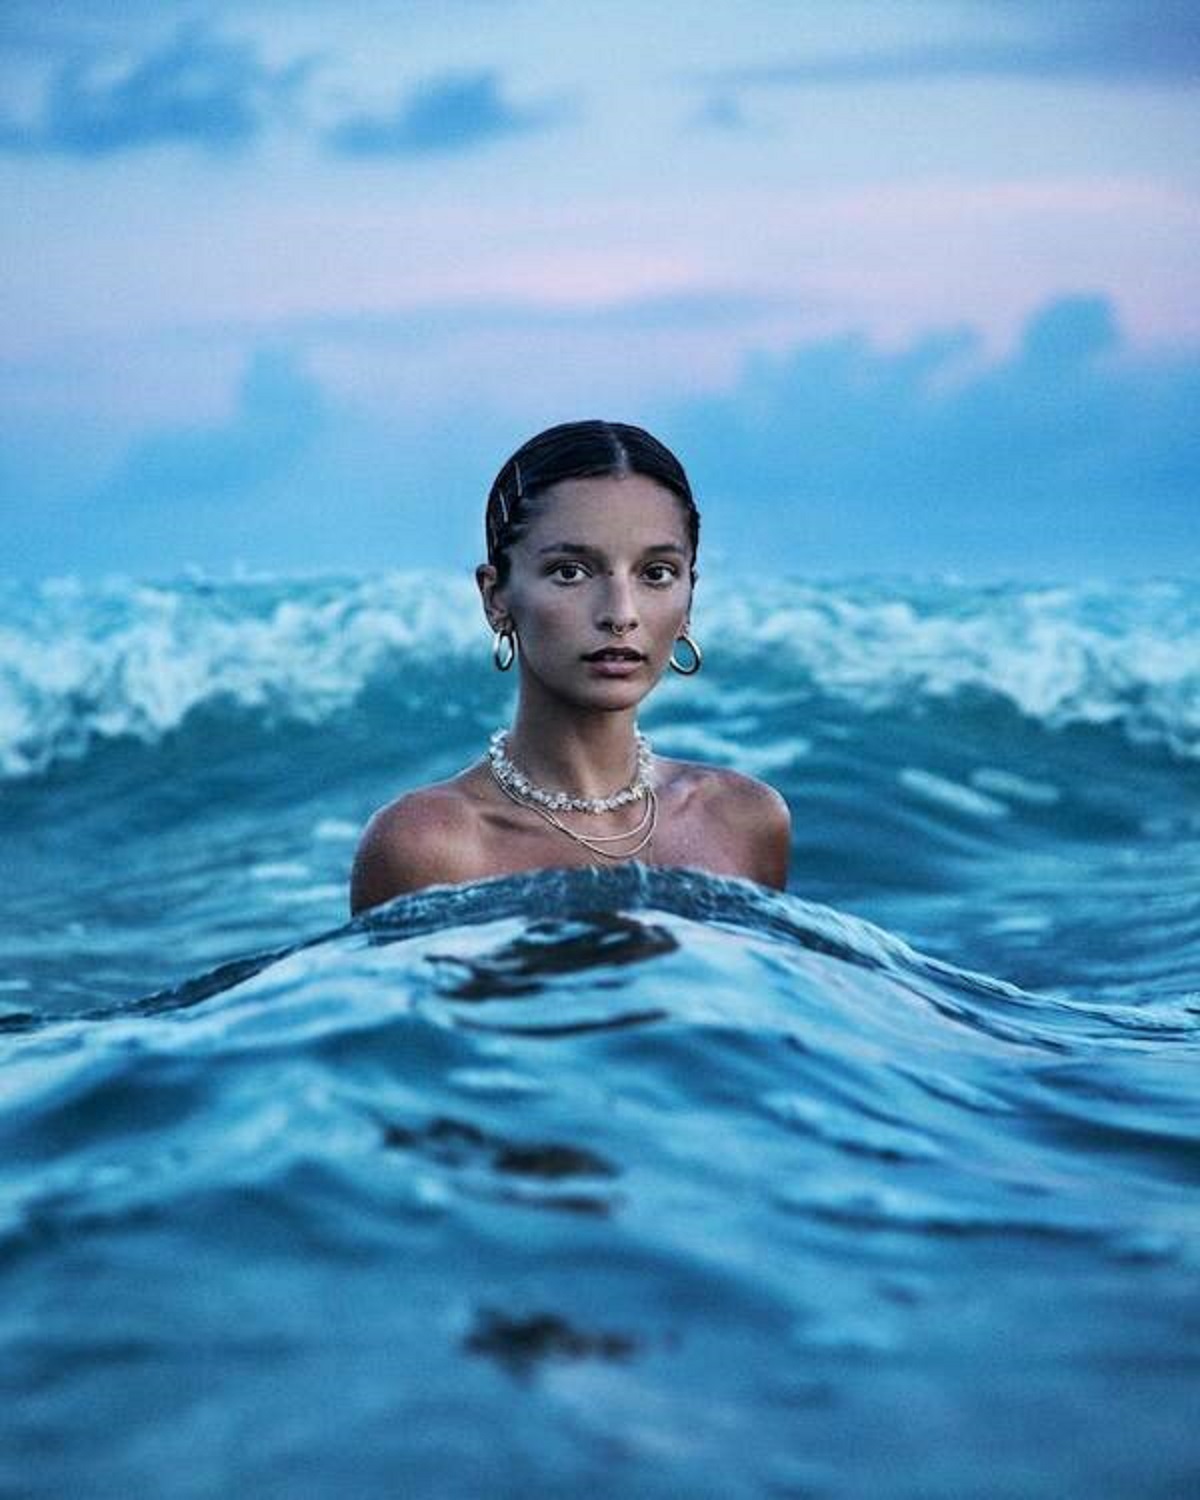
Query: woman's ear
{"type": "Point", "coordinates": [490, 592]}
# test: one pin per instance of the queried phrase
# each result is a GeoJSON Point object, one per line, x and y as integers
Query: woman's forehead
{"type": "Point", "coordinates": [608, 506]}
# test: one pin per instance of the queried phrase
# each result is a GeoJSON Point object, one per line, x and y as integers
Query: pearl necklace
{"type": "Point", "coordinates": [512, 778]}
{"type": "Point", "coordinates": [517, 787]}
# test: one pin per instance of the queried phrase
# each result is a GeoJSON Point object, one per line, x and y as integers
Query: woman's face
{"type": "Point", "coordinates": [603, 566]}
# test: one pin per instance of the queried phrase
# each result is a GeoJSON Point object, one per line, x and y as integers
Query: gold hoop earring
{"type": "Point", "coordinates": [500, 637]}
{"type": "Point", "coordinates": [697, 657]}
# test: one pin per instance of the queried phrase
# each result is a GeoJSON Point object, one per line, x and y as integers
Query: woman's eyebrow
{"type": "Point", "coordinates": [582, 549]}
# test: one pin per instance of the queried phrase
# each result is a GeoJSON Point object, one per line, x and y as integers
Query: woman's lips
{"type": "Point", "coordinates": [614, 661]}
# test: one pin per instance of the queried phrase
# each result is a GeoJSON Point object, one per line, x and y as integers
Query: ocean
{"type": "Point", "coordinates": [629, 1182]}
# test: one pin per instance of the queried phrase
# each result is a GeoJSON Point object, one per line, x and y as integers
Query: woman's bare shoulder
{"type": "Point", "coordinates": [429, 836]}
{"type": "Point", "coordinates": [720, 787]}
{"type": "Point", "coordinates": [748, 813]}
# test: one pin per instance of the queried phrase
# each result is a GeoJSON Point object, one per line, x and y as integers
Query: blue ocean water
{"type": "Point", "coordinates": [630, 1182]}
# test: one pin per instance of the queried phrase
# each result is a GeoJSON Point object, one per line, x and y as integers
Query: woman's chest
{"type": "Point", "coordinates": [665, 834]}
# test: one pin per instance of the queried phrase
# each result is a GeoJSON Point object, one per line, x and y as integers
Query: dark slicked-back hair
{"type": "Point", "coordinates": [578, 450]}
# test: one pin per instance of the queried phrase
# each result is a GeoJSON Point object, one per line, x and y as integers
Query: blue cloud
{"type": "Point", "coordinates": [198, 89]}
{"type": "Point", "coordinates": [1103, 40]}
{"type": "Point", "coordinates": [280, 411]}
{"type": "Point", "coordinates": [1071, 455]}
{"type": "Point", "coordinates": [452, 112]}
{"type": "Point", "coordinates": [722, 111]}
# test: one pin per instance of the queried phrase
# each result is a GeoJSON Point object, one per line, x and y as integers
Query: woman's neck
{"type": "Point", "coordinates": [589, 753]}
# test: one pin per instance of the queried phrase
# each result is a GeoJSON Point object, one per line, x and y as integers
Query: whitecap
{"type": "Point", "coordinates": [1018, 788]}
{"type": "Point", "coordinates": [84, 662]}
{"type": "Point", "coordinates": [280, 869]}
{"type": "Point", "coordinates": [728, 748]}
{"type": "Point", "coordinates": [335, 830]}
{"type": "Point", "coordinates": [952, 794]}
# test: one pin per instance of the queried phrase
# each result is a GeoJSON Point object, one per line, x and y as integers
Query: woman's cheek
{"type": "Point", "coordinates": [548, 622]}
{"type": "Point", "coordinates": [557, 615]}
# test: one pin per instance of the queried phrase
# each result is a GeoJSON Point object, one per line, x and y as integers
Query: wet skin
{"type": "Point", "coordinates": [604, 566]}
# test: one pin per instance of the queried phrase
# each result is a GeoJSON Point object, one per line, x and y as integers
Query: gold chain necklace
{"type": "Point", "coordinates": [592, 843]}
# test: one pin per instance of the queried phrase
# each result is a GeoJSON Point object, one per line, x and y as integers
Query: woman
{"type": "Point", "coordinates": [591, 542]}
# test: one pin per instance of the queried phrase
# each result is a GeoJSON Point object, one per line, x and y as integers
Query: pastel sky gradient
{"type": "Point", "coordinates": [908, 285]}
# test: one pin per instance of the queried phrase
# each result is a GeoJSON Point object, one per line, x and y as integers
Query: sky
{"type": "Point", "coordinates": [909, 285]}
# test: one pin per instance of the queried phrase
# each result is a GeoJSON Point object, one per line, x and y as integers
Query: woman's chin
{"type": "Point", "coordinates": [611, 693]}
{"type": "Point", "coordinates": [592, 690]}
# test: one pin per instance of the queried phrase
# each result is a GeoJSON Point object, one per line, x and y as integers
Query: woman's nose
{"type": "Point", "coordinates": [616, 611]}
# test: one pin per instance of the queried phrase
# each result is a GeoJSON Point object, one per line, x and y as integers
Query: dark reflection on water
{"type": "Point", "coordinates": [553, 947]}
{"type": "Point", "coordinates": [457, 1141]}
{"type": "Point", "coordinates": [520, 1343]}
{"type": "Point", "coordinates": [541, 1167]}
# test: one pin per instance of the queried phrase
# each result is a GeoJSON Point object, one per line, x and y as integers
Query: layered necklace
{"type": "Point", "coordinates": [515, 785]}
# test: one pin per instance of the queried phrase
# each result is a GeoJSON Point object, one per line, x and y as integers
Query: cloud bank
{"type": "Point", "coordinates": [1108, 41]}
{"type": "Point", "coordinates": [199, 89]}
{"type": "Point", "coordinates": [449, 113]}
{"type": "Point", "coordinates": [1074, 456]}
{"type": "Point", "coordinates": [278, 415]}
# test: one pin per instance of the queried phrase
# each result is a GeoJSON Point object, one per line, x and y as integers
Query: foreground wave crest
{"type": "Point", "coordinates": [620, 1182]}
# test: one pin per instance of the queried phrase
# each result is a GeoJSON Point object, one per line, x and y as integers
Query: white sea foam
{"type": "Point", "coordinates": [86, 662]}
{"type": "Point", "coordinates": [945, 793]}
{"type": "Point", "coordinates": [336, 830]}
{"type": "Point", "coordinates": [1090, 655]}
{"type": "Point", "coordinates": [1016, 788]}
{"type": "Point", "coordinates": [739, 744]}
{"type": "Point", "coordinates": [123, 659]}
